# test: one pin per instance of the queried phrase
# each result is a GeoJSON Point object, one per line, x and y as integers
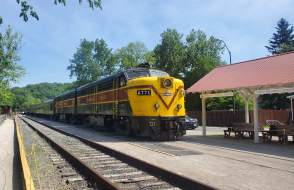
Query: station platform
{"type": "Point", "coordinates": [213, 160]}
{"type": "Point", "coordinates": [10, 176]}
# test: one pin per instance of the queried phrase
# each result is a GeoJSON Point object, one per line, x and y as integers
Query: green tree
{"type": "Point", "coordinates": [10, 43]}
{"type": "Point", "coordinates": [23, 98]}
{"type": "Point", "coordinates": [202, 54]}
{"type": "Point", "coordinates": [6, 96]}
{"type": "Point", "coordinates": [283, 39]}
{"type": "Point", "coordinates": [131, 55]}
{"type": "Point", "coordinates": [274, 101]}
{"type": "Point", "coordinates": [169, 54]}
{"type": "Point", "coordinates": [10, 71]}
{"type": "Point", "coordinates": [91, 61]}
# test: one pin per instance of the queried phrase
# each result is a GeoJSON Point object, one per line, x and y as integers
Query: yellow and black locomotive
{"type": "Point", "coordinates": [138, 101]}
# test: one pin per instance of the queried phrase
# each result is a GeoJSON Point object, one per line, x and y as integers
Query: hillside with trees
{"type": "Point", "coordinates": [24, 97]}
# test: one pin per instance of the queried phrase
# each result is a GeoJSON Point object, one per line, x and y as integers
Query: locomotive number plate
{"type": "Point", "coordinates": [144, 92]}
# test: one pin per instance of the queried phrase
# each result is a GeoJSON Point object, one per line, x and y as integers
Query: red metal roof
{"type": "Point", "coordinates": [274, 70]}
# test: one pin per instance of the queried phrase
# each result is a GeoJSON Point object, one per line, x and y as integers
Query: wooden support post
{"type": "Point", "coordinates": [292, 109]}
{"type": "Point", "coordinates": [256, 126]}
{"type": "Point", "coordinates": [246, 110]}
{"type": "Point", "coordinates": [203, 117]}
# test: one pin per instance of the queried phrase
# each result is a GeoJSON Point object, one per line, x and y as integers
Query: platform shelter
{"type": "Point", "coordinates": [266, 75]}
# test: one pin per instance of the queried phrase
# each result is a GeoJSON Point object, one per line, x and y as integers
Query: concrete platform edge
{"type": "Point", "coordinates": [27, 177]}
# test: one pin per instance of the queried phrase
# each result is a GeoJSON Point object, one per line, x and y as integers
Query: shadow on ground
{"type": "Point", "coordinates": [269, 148]}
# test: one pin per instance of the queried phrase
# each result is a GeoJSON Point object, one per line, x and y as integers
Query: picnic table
{"type": "Point", "coordinates": [242, 130]}
{"type": "Point", "coordinates": [281, 130]}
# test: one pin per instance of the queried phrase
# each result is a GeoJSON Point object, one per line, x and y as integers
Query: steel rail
{"type": "Point", "coordinates": [168, 176]}
{"type": "Point", "coordinates": [92, 176]}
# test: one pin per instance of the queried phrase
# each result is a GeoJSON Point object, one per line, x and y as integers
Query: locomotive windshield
{"type": "Point", "coordinates": [136, 73]}
{"type": "Point", "coordinates": [158, 73]}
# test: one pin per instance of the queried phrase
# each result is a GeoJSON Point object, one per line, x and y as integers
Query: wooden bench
{"type": "Point", "coordinates": [241, 130]}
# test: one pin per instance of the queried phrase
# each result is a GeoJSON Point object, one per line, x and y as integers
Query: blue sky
{"type": "Point", "coordinates": [48, 44]}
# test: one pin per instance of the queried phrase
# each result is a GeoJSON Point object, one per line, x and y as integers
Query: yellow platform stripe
{"type": "Point", "coordinates": [28, 180]}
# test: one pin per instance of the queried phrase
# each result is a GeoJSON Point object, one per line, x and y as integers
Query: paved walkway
{"type": "Point", "coordinates": [222, 163]}
{"type": "Point", "coordinates": [9, 165]}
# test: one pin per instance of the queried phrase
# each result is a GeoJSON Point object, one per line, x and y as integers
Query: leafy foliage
{"type": "Point", "coordinates": [10, 42]}
{"type": "Point", "coordinates": [169, 54]}
{"type": "Point", "coordinates": [36, 93]}
{"type": "Point", "coordinates": [27, 10]}
{"type": "Point", "coordinates": [6, 97]}
{"type": "Point", "coordinates": [131, 55]}
{"type": "Point", "coordinates": [283, 40]}
{"type": "Point", "coordinates": [202, 54]}
{"type": "Point", "coordinates": [91, 61]}
{"type": "Point", "coordinates": [10, 71]}
{"type": "Point", "coordinates": [274, 101]}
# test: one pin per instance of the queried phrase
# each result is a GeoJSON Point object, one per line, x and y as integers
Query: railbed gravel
{"type": "Point", "coordinates": [49, 169]}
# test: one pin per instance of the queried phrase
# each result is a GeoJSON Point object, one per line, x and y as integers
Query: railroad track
{"type": "Point", "coordinates": [68, 175]}
{"type": "Point", "coordinates": [106, 168]}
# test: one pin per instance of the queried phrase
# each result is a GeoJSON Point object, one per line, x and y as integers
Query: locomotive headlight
{"type": "Point", "coordinates": [167, 83]}
{"type": "Point", "coordinates": [179, 106]}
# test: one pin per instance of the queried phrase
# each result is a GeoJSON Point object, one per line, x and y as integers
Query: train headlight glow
{"type": "Point", "coordinates": [167, 83]}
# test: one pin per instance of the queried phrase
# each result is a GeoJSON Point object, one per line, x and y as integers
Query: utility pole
{"type": "Point", "coordinates": [230, 54]}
